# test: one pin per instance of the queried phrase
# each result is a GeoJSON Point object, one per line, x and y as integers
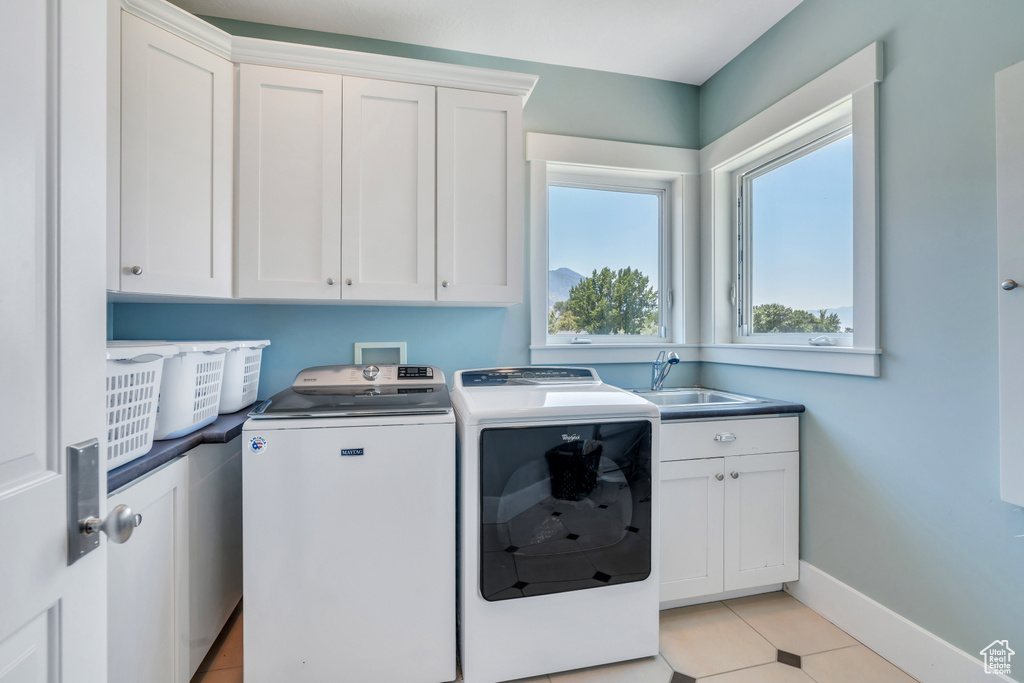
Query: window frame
{"type": "Point", "coordinates": [848, 91]}
{"type": "Point", "coordinates": [611, 163]}
{"type": "Point", "coordinates": [817, 139]}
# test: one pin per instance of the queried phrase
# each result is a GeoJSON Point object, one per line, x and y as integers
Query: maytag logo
{"type": "Point", "coordinates": [570, 437]}
{"type": "Point", "coordinates": [309, 379]}
{"type": "Point", "coordinates": [351, 451]}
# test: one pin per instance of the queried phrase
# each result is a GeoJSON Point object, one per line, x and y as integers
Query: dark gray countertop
{"type": "Point", "coordinates": [223, 429]}
{"type": "Point", "coordinates": [769, 406]}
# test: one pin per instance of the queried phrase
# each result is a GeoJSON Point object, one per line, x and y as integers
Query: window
{"type": "Point", "coordinates": [609, 250]}
{"type": "Point", "coordinates": [795, 245]}
{"type": "Point", "coordinates": [792, 220]}
{"type": "Point", "coordinates": [606, 242]}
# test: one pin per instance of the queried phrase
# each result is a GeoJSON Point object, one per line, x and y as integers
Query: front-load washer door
{"type": "Point", "coordinates": [564, 508]}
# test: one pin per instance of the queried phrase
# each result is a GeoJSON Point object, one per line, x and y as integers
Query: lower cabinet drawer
{"type": "Point", "coordinates": [715, 439]}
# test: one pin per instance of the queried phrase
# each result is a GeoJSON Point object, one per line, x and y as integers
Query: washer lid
{"type": "Point", "coordinates": [361, 402]}
{"type": "Point", "coordinates": [544, 401]}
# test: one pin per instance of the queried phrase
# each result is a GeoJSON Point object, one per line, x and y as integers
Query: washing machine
{"type": "Point", "coordinates": [349, 528]}
{"type": "Point", "coordinates": [558, 531]}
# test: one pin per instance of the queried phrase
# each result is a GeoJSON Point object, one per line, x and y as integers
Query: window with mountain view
{"type": "Point", "coordinates": [796, 244]}
{"type": "Point", "coordinates": [605, 259]}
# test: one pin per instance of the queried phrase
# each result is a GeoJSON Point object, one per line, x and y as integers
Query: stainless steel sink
{"type": "Point", "coordinates": [694, 397]}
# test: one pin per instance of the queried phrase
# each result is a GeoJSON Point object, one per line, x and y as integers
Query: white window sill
{"type": "Point", "coordinates": [832, 359]}
{"type": "Point", "coordinates": [835, 359]}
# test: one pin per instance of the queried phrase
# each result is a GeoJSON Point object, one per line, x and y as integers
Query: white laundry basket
{"type": "Point", "coordinates": [190, 390]}
{"type": "Point", "coordinates": [241, 374]}
{"type": "Point", "coordinates": [133, 387]}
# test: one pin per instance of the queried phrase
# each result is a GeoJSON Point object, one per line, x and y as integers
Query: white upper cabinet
{"type": "Point", "coordinates": [479, 197]}
{"type": "Point", "coordinates": [176, 165]}
{"type": "Point", "coordinates": [387, 190]}
{"type": "Point", "coordinates": [360, 177]}
{"type": "Point", "coordinates": [289, 183]}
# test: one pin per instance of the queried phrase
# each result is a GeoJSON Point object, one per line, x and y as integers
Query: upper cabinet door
{"type": "Point", "coordinates": [479, 197]}
{"type": "Point", "coordinates": [176, 165]}
{"type": "Point", "coordinates": [289, 183]}
{"type": "Point", "coordinates": [387, 177]}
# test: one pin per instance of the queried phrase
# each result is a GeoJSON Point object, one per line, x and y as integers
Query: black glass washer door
{"type": "Point", "coordinates": [564, 508]}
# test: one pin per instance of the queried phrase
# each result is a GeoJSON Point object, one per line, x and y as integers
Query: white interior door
{"type": "Point", "coordinates": [1010, 213]}
{"type": "Point", "coordinates": [52, 212]}
{"type": "Point", "coordinates": [387, 181]}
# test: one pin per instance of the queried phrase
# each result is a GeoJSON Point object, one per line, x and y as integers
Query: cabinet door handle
{"type": "Point", "coordinates": [330, 280]}
{"type": "Point", "coordinates": [734, 475]}
{"type": "Point", "coordinates": [719, 476]}
{"type": "Point", "coordinates": [725, 436]}
{"type": "Point", "coordinates": [136, 270]}
{"type": "Point", "coordinates": [348, 281]}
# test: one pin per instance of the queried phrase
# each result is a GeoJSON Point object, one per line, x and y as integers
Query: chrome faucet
{"type": "Point", "coordinates": [660, 369]}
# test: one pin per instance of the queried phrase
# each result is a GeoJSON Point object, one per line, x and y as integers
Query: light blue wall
{"type": "Point", "coordinates": [453, 338]}
{"type": "Point", "coordinates": [901, 473]}
{"type": "Point", "coordinates": [566, 101]}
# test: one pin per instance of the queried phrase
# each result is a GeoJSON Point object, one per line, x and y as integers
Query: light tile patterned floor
{"type": "Point", "coordinates": [770, 638]}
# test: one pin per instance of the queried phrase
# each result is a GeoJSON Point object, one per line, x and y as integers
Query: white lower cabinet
{"type": "Point", "coordinates": [214, 543]}
{"type": "Point", "coordinates": [173, 585]}
{"type": "Point", "coordinates": [147, 583]}
{"type": "Point", "coordinates": [728, 522]}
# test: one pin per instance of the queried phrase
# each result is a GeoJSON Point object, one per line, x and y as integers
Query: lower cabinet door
{"type": "Point", "coordinates": [762, 519]}
{"type": "Point", "coordinates": [147, 583]}
{"type": "Point", "coordinates": [214, 542]}
{"type": "Point", "coordinates": [691, 528]}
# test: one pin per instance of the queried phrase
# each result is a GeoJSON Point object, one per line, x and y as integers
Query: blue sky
{"type": "Point", "coordinates": [802, 236]}
{"type": "Point", "coordinates": [803, 231]}
{"type": "Point", "coordinates": [586, 228]}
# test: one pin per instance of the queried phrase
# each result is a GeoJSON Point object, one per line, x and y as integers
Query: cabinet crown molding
{"type": "Point", "coordinates": [294, 56]}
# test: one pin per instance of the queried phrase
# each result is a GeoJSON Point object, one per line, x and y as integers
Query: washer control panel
{"type": "Point", "coordinates": [496, 377]}
{"type": "Point", "coordinates": [351, 376]}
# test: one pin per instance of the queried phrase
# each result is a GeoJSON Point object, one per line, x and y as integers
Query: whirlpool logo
{"type": "Point", "coordinates": [570, 437]}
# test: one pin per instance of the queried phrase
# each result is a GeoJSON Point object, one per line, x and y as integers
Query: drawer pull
{"type": "Point", "coordinates": [725, 436]}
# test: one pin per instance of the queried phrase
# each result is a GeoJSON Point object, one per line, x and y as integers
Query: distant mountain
{"type": "Point", "coordinates": [559, 283]}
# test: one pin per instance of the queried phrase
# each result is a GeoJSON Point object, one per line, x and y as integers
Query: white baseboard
{"type": "Point", "coordinates": [727, 595]}
{"type": "Point", "coordinates": [920, 653]}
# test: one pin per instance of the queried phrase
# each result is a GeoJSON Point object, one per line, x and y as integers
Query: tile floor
{"type": "Point", "coordinates": [770, 638]}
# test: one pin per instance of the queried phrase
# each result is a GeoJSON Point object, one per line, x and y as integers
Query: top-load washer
{"type": "Point", "coordinates": [349, 528]}
{"type": "Point", "coordinates": [558, 532]}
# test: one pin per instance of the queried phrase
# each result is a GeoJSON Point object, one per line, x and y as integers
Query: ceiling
{"type": "Point", "coordinates": [676, 40]}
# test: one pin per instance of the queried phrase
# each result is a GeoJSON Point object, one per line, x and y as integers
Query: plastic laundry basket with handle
{"type": "Point", "coordinates": [190, 390]}
{"type": "Point", "coordinates": [133, 387]}
{"type": "Point", "coordinates": [241, 374]}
